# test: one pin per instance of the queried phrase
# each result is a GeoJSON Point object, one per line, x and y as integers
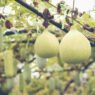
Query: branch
{"type": "Point", "coordinates": [40, 14]}
{"type": "Point", "coordinates": [68, 85]}
{"type": "Point", "coordinates": [87, 65]}
{"type": "Point", "coordinates": [73, 9]}
{"type": "Point", "coordinates": [50, 4]}
{"type": "Point", "coordinates": [23, 41]}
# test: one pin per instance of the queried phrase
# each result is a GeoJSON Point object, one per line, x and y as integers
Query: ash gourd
{"type": "Point", "coordinates": [74, 47]}
{"type": "Point", "coordinates": [46, 45]}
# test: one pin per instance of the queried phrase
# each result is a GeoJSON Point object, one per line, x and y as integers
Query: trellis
{"type": "Point", "coordinates": [58, 25]}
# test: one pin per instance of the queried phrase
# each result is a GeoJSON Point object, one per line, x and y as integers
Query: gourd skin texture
{"type": "Point", "coordinates": [74, 47]}
{"type": "Point", "coordinates": [9, 63]}
{"type": "Point", "coordinates": [46, 45]}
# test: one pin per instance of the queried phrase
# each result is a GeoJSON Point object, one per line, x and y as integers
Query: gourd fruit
{"type": "Point", "coordinates": [9, 66]}
{"type": "Point", "coordinates": [74, 47]}
{"type": "Point", "coordinates": [7, 85]}
{"type": "Point", "coordinates": [22, 83]}
{"type": "Point", "coordinates": [46, 45]}
{"type": "Point", "coordinates": [27, 73]}
{"type": "Point", "coordinates": [51, 84]}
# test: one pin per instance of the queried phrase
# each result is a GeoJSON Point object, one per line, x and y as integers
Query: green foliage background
{"type": "Point", "coordinates": [43, 76]}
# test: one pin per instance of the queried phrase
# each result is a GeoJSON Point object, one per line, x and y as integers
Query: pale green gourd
{"type": "Point", "coordinates": [9, 66]}
{"type": "Point", "coordinates": [46, 45]}
{"type": "Point", "coordinates": [74, 47]}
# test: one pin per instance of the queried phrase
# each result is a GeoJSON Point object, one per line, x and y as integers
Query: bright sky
{"type": "Point", "coordinates": [82, 5]}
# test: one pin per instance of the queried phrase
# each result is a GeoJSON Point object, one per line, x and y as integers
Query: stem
{"type": "Point", "coordinates": [73, 4]}
{"type": "Point", "coordinates": [88, 65]}
{"type": "Point", "coordinates": [51, 4]}
{"type": "Point", "coordinates": [73, 9]}
{"type": "Point", "coordinates": [40, 14]}
{"type": "Point", "coordinates": [68, 85]}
